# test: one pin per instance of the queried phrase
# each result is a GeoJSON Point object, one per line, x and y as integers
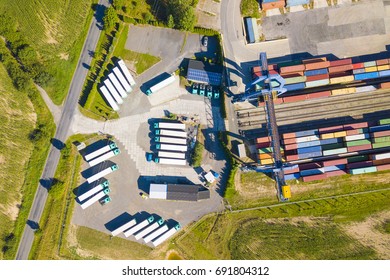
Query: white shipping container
{"type": "Point", "coordinates": [124, 227]}
{"type": "Point", "coordinates": [136, 228]}
{"type": "Point", "coordinates": [156, 233]}
{"type": "Point", "coordinates": [109, 98]}
{"type": "Point", "coordinates": [357, 137]}
{"type": "Point", "coordinates": [172, 161]}
{"type": "Point", "coordinates": [104, 157]}
{"type": "Point", "coordinates": [381, 156]}
{"type": "Point", "coordinates": [117, 85]}
{"type": "Point", "coordinates": [113, 91]}
{"type": "Point", "coordinates": [92, 200]}
{"type": "Point", "coordinates": [122, 79]}
{"type": "Point", "coordinates": [307, 138]}
{"type": "Point", "coordinates": [174, 133]}
{"type": "Point", "coordinates": [170, 140]}
{"type": "Point", "coordinates": [335, 151]}
{"type": "Point", "coordinates": [171, 155]}
{"type": "Point", "coordinates": [164, 237]}
{"type": "Point", "coordinates": [147, 230]}
{"type": "Point", "coordinates": [162, 84]}
{"type": "Point", "coordinates": [97, 153]}
{"type": "Point", "coordinates": [126, 72]}
{"type": "Point", "coordinates": [365, 89]}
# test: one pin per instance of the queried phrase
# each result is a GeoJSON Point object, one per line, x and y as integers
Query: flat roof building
{"type": "Point", "coordinates": [204, 73]}
{"type": "Point", "coordinates": [178, 192]}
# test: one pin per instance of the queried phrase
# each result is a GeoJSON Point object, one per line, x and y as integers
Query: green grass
{"type": "Point", "coordinates": [57, 30]}
{"type": "Point", "coordinates": [250, 8]}
{"type": "Point", "coordinates": [197, 156]}
{"type": "Point", "coordinates": [137, 9]}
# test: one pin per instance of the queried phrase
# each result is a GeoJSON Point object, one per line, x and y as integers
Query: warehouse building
{"type": "Point", "coordinates": [178, 192]}
{"type": "Point", "coordinates": [202, 73]}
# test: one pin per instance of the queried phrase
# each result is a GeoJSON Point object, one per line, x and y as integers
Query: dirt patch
{"type": "Point", "coordinates": [64, 56]}
{"type": "Point", "coordinates": [367, 233]}
{"type": "Point", "coordinates": [9, 210]}
{"type": "Point", "coordinates": [72, 242]}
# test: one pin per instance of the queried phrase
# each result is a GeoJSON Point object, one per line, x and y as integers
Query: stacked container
{"type": "Point", "coordinates": [272, 4]}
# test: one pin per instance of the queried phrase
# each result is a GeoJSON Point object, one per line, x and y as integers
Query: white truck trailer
{"type": "Point", "coordinates": [173, 133]}
{"type": "Point", "coordinates": [109, 98]}
{"type": "Point", "coordinates": [161, 85]}
{"type": "Point", "coordinates": [94, 190]}
{"type": "Point", "coordinates": [170, 140]}
{"type": "Point", "coordinates": [149, 229]}
{"type": "Point", "coordinates": [113, 91]}
{"type": "Point", "coordinates": [170, 125]}
{"type": "Point", "coordinates": [104, 157]}
{"type": "Point", "coordinates": [172, 161]}
{"type": "Point", "coordinates": [93, 199]}
{"type": "Point", "coordinates": [100, 151]}
{"type": "Point", "coordinates": [166, 235]}
{"type": "Point", "coordinates": [155, 233]}
{"type": "Point", "coordinates": [122, 79]}
{"type": "Point", "coordinates": [171, 155]}
{"type": "Point", "coordinates": [138, 227]}
{"type": "Point", "coordinates": [126, 72]}
{"type": "Point", "coordinates": [123, 227]}
{"type": "Point", "coordinates": [102, 173]}
{"type": "Point", "coordinates": [117, 85]}
{"type": "Point", "coordinates": [168, 147]}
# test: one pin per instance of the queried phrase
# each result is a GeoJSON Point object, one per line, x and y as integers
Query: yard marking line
{"type": "Point", "coordinates": [307, 200]}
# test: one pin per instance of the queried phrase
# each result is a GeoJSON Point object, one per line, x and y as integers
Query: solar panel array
{"type": "Point", "coordinates": [210, 78]}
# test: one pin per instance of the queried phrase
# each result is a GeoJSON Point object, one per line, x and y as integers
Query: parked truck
{"type": "Point", "coordinates": [124, 227]}
{"type": "Point", "coordinates": [149, 229]}
{"type": "Point", "coordinates": [94, 190]}
{"type": "Point", "coordinates": [170, 140]}
{"type": "Point", "coordinates": [170, 161]}
{"type": "Point", "coordinates": [100, 151]}
{"type": "Point", "coordinates": [126, 72]}
{"type": "Point", "coordinates": [165, 132]}
{"type": "Point", "coordinates": [117, 85]}
{"type": "Point", "coordinates": [113, 91]}
{"type": "Point", "coordinates": [171, 155]}
{"type": "Point", "coordinates": [170, 125]}
{"type": "Point", "coordinates": [166, 235]}
{"type": "Point", "coordinates": [104, 157]}
{"type": "Point", "coordinates": [138, 227]}
{"type": "Point", "coordinates": [155, 233]}
{"type": "Point", "coordinates": [94, 199]}
{"type": "Point", "coordinates": [168, 147]}
{"type": "Point", "coordinates": [122, 79]}
{"type": "Point", "coordinates": [109, 98]}
{"type": "Point", "coordinates": [102, 173]}
{"type": "Point", "coordinates": [161, 85]}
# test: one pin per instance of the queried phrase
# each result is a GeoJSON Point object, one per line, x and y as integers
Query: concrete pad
{"type": "Point", "coordinates": [168, 93]}
{"type": "Point", "coordinates": [273, 48]}
{"type": "Point", "coordinates": [320, 4]}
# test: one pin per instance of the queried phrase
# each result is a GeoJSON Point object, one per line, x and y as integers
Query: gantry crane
{"type": "Point", "coordinates": [269, 93]}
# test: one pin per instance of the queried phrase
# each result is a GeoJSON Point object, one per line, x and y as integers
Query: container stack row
{"type": "Point", "coordinates": [264, 151]}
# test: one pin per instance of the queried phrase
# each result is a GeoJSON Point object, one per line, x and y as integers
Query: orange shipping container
{"type": "Point", "coordinates": [294, 68]}
{"type": "Point", "coordinates": [317, 65]}
{"type": "Point", "coordinates": [265, 156]}
{"type": "Point", "coordinates": [385, 85]}
{"type": "Point", "coordinates": [383, 67]}
{"type": "Point", "coordinates": [292, 75]}
{"type": "Point", "coordinates": [382, 62]}
{"type": "Point", "coordinates": [341, 68]}
{"type": "Point", "coordinates": [313, 60]}
{"type": "Point", "coordinates": [265, 139]}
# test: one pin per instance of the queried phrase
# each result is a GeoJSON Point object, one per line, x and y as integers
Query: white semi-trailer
{"type": "Point", "coordinates": [161, 85]}
{"type": "Point", "coordinates": [138, 227]}
{"type": "Point", "coordinates": [149, 229]}
{"type": "Point", "coordinates": [122, 79]}
{"type": "Point", "coordinates": [93, 199]}
{"type": "Point", "coordinates": [166, 235]}
{"type": "Point", "coordinates": [170, 125]}
{"type": "Point", "coordinates": [100, 151]}
{"type": "Point", "coordinates": [104, 157]}
{"type": "Point", "coordinates": [102, 173]}
{"type": "Point", "coordinates": [126, 72]}
{"type": "Point", "coordinates": [117, 85]}
{"type": "Point", "coordinates": [172, 161]}
{"type": "Point", "coordinates": [109, 98]}
{"type": "Point", "coordinates": [168, 147]}
{"type": "Point", "coordinates": [123, 227]}
{"type": "Point", "coordinates": [113, 91]}
{"type": "Point", "coordinates": [155, 233]}
{"type": "Point", "coordinates": [171, 155]}
{"type": "Point", "coordinates": [173, 133]}
{"type": "Point", "coordinates": [94, 190]}
{"type": "Point", "coordinates": [170, 140]}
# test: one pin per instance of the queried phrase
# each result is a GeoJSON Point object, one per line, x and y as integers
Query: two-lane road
{"type": "Point", "coordinates": [62, 132]}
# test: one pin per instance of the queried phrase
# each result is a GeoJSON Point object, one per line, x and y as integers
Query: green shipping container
{"type": "Point", "coordinates": [335, 151]}
{"type": "Point", "coordinates": [381, 145]}
{"type": "Point", "coordinates": [363, 170]}
{"type": "Point", "coordinates": [358, 143]}
{"type": "Point", "coordinates": [382, 139]}
{"type": "Point", "coordinates": [295, 80]}
{"type": "Point", "coordinates": [332, 146]}
{"type": "Point", "coordinates": [267, 150]}
{"type": "Point", "coordinates": [357, 158]}
{"type": "Point", "coordinates": [384, 121]}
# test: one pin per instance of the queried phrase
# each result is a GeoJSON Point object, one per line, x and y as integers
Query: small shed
{"type": "Point", "coordinates": [241, 151]}
{"type": "Point", "coordinates": [158, 191]}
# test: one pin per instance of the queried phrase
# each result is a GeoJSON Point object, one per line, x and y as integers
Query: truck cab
{"type": "Point", "coordinates": [149, 92]}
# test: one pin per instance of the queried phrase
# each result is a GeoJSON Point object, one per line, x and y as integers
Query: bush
{"type": "Point", "coordinates": [197, 155]}
{"type": "Point", "coordinates": [232, 166]}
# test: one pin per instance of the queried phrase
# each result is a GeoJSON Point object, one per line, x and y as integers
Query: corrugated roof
{"type": "Point", "coordinates": [182, 196]}
{"type": "Point", "coordinates": [204, 73]}
{"type": "Point", "coordinates": [204, 194]}
{"type": "Point", "coordinates": [183, 188]}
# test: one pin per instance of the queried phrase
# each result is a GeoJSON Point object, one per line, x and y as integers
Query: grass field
{"type": "Point", "coordinates": [56, 29]}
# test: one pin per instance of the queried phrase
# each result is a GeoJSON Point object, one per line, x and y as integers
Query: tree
{"type": "Point", "coordinates": [118, 4]}
{"type": "Point", "coordinates": [183, 14]}
{"type": "Point", "coordinates": [170, 21]}
{"type": "Point", "coordinates": [110, 18]}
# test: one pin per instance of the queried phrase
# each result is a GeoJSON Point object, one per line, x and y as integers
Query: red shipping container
{"type": "Point", "coordinates": [383, 167]}
{"type": "Point", "coordinates": [255, 75]}
{"type": "Point", "coordinates": [335, 162]}
{"type": "Point", "coordinates": [359, 148]}
{"type": "Point", "coordinates": [318, 94]}
{"type": "Point", "coordinates": [317, 65]}
{"type": "Point", "coordinates": [359, 164]}
{"type": "Point", "coordinates": [295, 98]}
{"type": "Point", "coordinates": [291, 147]}
{"type": "Point", "coordinates": [273, 72]}
{"type": "Point", "coordinates": [355, 125]}
{"type": "Point", "coordinates": [317, 77]}
{"type": "Point", "coordinates": [358, 65]}
{"type": "Point", "coordinates": [314, 177]}
{"type": "Point", "coordinates": [381, 133]}
{"type": "Point", "coordinates": [292, 157]}
{"type": "Point", "coordinates": [292, 75]}
{"type": "Point", "coordinates": [340, 62]}
{"type": "Point", "coordinates": [381, 161]}
{"type": "Point", "coordinates": [294, 68]}
{"type": "Point", "coordinates": [313, 60]}
{"type": "Point", "coordinates": [278, 101]}
{"type": "Point", "coordinates": [352, 132]}
{"type": "Point", "coordinates": [272, 67]}
{"type": "Point", "coordinates": [263, 145]}
{"type": "Point", "coordinates": [341, 68]}
{"type": "Point", "coordinates": [265, 139]}
{"type": "Point", "coordinates": [331, 129]}
{"type": "Point", "coordinates": [260, 104]}
{"type": "Point", "coordinates": [256, 69]}
{"type": "Point", "coordinates": [335, 173]}
{"type": "Point", "coordinates": [289, 141]}
{"type": "Point", "coordinates": [385, 85]}
{"type": "Point", "coordinates": [291, 171]}
{"type": "Point", "coordinates": [288, 135]}
{"type": "Point", "coordinates": [310, 165]}
{"type": "Point", "coordinates": [382, 62]}
{"type": "Point", "coordinates": [273, 5]}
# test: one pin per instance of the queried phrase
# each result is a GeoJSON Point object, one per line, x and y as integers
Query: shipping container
{"type": "Point", "coordinates": [310, 155]}
{"type": "Point", "coordinates": [308, 144]}
{"type": "Point", "coordinates": [307, 138]}
{"type": "Point", "coordinates": [317, 83]}
{"type": "Point", "coordinates": [292, 176]}
{"type": "Point", "coordinates": [340, 134]}
{"type": "Point", "coordinates": [366, 76]}
{"type": "Point", "coordinates": [314, 60]}
{"type": "Point", "coordinates": [267, 161]}
{"type": "Point", "coordinates": [381, 161]}
{"type": "Point", "coordinates": [330, 141]}
{"type": "Point", "coordinates": [381, 156]}
{"type": "Point", "coordinates": [309, 172]}
{"type": "Point", "coordinates": [294, 80]}
{"type": "Point", "coordinates": [359, 71]}
{"type": "Point", "coordinates": [334, 167]}
{"type": "Point", "coordinates": [340, 62]}
{"type": "Point", "coordinates": [291, 171]}
{"type": "Point", "coordinates": [363, 170]}
{"type": "Point", "coordinates": [358, 65]}
{"type": "Point", "coordinates": [249, 29]}
{"type": "Point", "coordinates": [333, 146]}
{"type": "Point", "coordinates": [359, 148]}
{"type": "Point", "coordinates": [320, 94]}
{"type": "Point", "coordinates": [371, 69]}
{"type": "Point", "coordinates": [273, 5]}
{"type": "Point", "coordinates": [357, 142]}
{"type": "Point", "coordinates": [306, 133]}
{"type": "Point", "coordinates": [365, 89]}
{"type": "Point", "coordinates": [292, 157]}
{"type": "Point", "coordinates": [335, 151]}
{"type": "Point", "coordinates": [316, 72]}
{"type": "Point", "coordinates": [385, 85]}
{"type": "Point", "coordinates": [369, 64]}
{"type": "Point", "coordinates": [381, 139]}
{"type": "Point", "coordinates": [289, 141]}
{"type": "Point", "coordinates": [291, 3]}
{"type": "Point", "coordinates": [359, 164]}
{"type": "Point", "coordinates": [357, 137]}
{"type": "Point", "coordinates": [335, 173]}
{"type": "Point", "coordinates": [357, 158]}
{"type": "Point", "coordinates": [292, 68]}
{"type": "Point", "coordinates": [380, 133]}
{"type": "Point", "coordinates": [383, 67]}
{"type": "Point", "coordinates": [265, 139]}
{"type": "Point", "coordinates": [314, 178]}
{"type": "Point", "coordinates": [382, 62]}
{"type": "Point", "coordinates": [379, 128]}
{"type": "Point", "coordinates": [291, 147]}
{"type": "Point", "coordinates": [292, 75]}
{"type": "Point", "coordinates": [296, 98]}
{"type": "Point", "coordinates": [383, 167]}
{"type": "Point", "coordinates": [340, 68]}
{"type": "Point", "coordinates": [264, 156]}
{"type": "Point", "coordinates": [310, 165]}
{"type": "Point", "coordinates": [384, 73]}
{"type": "Point", "coordinates": [288, 135]}
{"type": "Point", "coordinates": [384, 121]}
{"type": "Point", "coordinates": [326, 136]}
{"type": "Point", "coordinates": [343, 91]}
{"type": "Point", "coordinates": [317, 77]}
{"type": "Point", "coordinates": [331, 129]}
{"type": "Point", "coordinates": [344, 79]}
{"type": "Point", "coordinates": [309, 150]}
{"type": "Point", "coordinates": [380, 145]}
{"type": "Point", "coordinates": [293, 87]}
{"type": "Point", "coordinates": [355, 125]}
{"type": "Point", "coordinates": [335, 162]}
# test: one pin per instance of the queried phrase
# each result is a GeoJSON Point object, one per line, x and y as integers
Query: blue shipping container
{"type": "Point", "coordinates": [306, 133]}
{"type": "Point", "coordinates": [330, 141]}
{"type": "Point", "coordinates": [268, 1]}
{"type": "Point", "coordinates": [292, 176]}
{"type": "Point", "coordinates": [380, 128]}
{"type": "Point", "coordinates": [291, 3]}
{"type": "Point", "coordinates": [309, 144]}
{"type": "Point", "coordinates": [316, 72]}
{"type": "Point", "coordinates": [384, 73]}
{"type": "Point", "coordinates": [310, 155]}
{"type": "Point", "coordinates": [292, 87]}
{"type": "Point", "coordinates": [310, 172]}
{"type": "Point", "coordinates": [249, 30]}
{"type": "Point", "coordinates": [365, 76]}
{"type": "Point", "coordinates": [334, 168]}
{"type": "Point", "coordinates": [309, 150]}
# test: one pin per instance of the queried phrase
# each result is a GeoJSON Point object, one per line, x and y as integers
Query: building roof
{"type": "Point", "coordinates": [178, 192]}
{"type": "Point", "coordinates": [241, 150]}
{"type": "Point", "coordinates": [208, 73]}
{"type": "Point", "coordinates": [158, 191]}
{"type": "Point", "coordinates": [203, 194]}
